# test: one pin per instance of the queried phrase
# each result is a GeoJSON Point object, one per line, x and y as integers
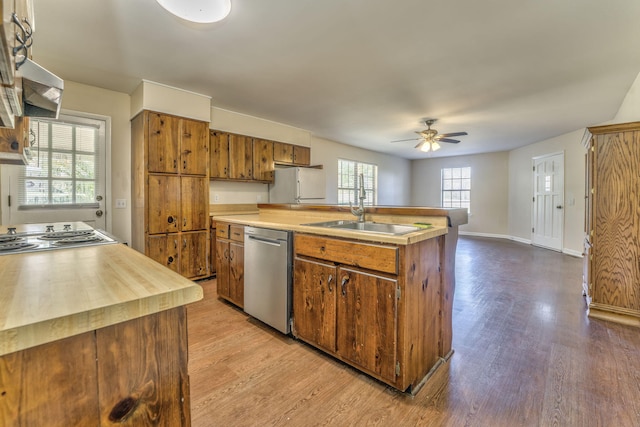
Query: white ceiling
{"type": "Point", "coordinates": [365, 72]}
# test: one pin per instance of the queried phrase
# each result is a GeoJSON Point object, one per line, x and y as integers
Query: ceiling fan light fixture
{"type": "Point", "coordinates": [429, 146]}
{"type": "Point", "coordinates": [198, 11]}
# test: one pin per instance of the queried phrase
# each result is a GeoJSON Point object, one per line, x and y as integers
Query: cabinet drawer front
{"type": "Point", "coordinates": [357, 254]}
{"type": "Point", "coordinates": [222, 230]}
{"type": "Point", "coordinates": [237, 232]}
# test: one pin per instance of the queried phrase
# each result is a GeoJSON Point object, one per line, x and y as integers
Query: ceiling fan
{"type": "Point", "coordinates": [430, 138]}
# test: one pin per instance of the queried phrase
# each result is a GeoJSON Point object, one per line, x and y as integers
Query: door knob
{"type": "Point", "coordinates": [99, 213]}
{"type": "Point", "coordinates": [559, 207]}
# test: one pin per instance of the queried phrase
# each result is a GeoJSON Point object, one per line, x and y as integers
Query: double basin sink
{"type": "Point", "coordinates": [368, 227]}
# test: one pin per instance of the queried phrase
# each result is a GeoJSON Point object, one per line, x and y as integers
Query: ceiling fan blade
{"type": "Point", "coordinates": [403, 140]}
{"type": "Point", "coordinates": [453, 141]}
{"type": "Point", "coordinates": [420, 144]}
{"type": "Point", "coordinates": [445, 135]}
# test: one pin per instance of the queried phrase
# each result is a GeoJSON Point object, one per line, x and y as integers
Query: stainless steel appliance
{"type": "Point", "coordinates": [41, 237]}
{"type": "Point", "coordinates": [298, 185]}
{"type": "Point", "coordinates": [268, 276]}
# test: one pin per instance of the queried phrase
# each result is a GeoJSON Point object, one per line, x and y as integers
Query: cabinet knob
{"type": "Point", "coordinates": [170, 219]}
{"type": "Point", "coordinates": [329, 280]}
{"type": "Point", "coordinates": [169, 260]}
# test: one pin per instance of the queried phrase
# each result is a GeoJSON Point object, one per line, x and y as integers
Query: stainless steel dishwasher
{"type": "Point", "coordinates": [268, 276]}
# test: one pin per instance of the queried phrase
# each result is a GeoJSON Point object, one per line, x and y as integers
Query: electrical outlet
{"type": "Point", "coordinates": [121, 203]}
{"type": "Point", "coordinates": [259, 198]}
{"type": "Point", "coordinates": [216, 197]}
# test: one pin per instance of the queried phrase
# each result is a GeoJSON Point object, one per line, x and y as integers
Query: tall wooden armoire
{"type": "Point", "coordinates": [612, 223]}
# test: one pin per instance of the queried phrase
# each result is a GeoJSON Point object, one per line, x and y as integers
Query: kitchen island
{"type": "Point", "coordinates": [93, 336]}
{"type": "Point", "coordinates": [379, 302]}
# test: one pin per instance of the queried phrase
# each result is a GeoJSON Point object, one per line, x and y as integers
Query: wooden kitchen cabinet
{"type": "Point", "coordinates": [263, 165]}
{"type": "Point", "coordinates": [165, 249]}
{"type": "Point", "coordinates": [14, 143]}
{"type": "Point", "coordinates": [176, 203]}
{"type": "Point", "coordinates": [376, 307]}
{"type": "Point", "coordinates": [140, 378]}
{"type": "Point", "coordinates": [212, 263]}
{"type": "Point", "coordinates": [243, 158]}
{"type": "Point", "coordinates": [219, 150]}
{"type": "Point", "coordinates": [177, 145]}
{"type": "Point", "coordinates": [230, 262]}
{"type": "Point", "coordinates": [171, 191]}
{"type": "Point", "coordinates": [164, 204]}
{"type": "Point", "coordinates": [314, 302]}
{"type": "Point", "coordinates": [612, 248]}
{"type": "Point", "coordinates": [290, 154]}
{"type": "Point", "coordinates": [231, 156]}
{"type": "Point", "coordinates": [367, 313]}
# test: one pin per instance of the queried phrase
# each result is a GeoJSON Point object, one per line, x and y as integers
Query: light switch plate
{"type": "Point", "coordinates": [121, 203]}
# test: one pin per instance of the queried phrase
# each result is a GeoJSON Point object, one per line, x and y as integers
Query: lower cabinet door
{"type": "Point", "coordinates": [314, 303]}
{"type": "Point", "coordinates": [194, 254]}
{"type": "Point", "coordinates": [236, 273]}
{"type": "Point", "coordinates": [222, 267]}
{"type": "Point", "coordinates": [367, 319]}
{"type": "Point", "coordinates": [165, 249]}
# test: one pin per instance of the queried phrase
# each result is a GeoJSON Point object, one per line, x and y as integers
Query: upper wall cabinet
{"type": "Point", "coordinates": [263, 167]}
{"type": "Point", "coordinates": [290, 154]}
{"type": "Point", "coordinates": [231, 156]}
{"type": "Point", "coordinates": [242, 158]}
{"type": "Point", "coordinates": [176, 145]}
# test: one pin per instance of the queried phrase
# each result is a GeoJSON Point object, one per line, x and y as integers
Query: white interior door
{"type": "Point", "coordinates": [548, 201]}
{"type": "Point", "coordinates": [65, 180]}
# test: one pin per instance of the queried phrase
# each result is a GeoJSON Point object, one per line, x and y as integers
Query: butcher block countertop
{"type": "Point", "coordinates": [293, 218]}
{"type": "Point", "coordinates": [50, 295]}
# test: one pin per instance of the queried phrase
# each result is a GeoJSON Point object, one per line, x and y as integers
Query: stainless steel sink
{"type": "Point", "coordinates": [368, 227]}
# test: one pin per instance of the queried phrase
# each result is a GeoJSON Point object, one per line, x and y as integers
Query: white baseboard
{"type": "Point", "coordinates": [515, 239]}
{"type": "Point", "coordinates": [571, 252]}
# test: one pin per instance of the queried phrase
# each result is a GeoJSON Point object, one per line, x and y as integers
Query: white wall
{"type": "Point", "coordinates": [489, 189]}
{"type": "Point", "coordinates": [394, 177]}
{"type": "Point", "coordinates": [521, 188]}
{"type": "Point", "coordinates": [629, 110]}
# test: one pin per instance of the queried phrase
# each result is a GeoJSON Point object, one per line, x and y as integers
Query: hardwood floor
{"type": "Point", "coordinates": [526, 354]}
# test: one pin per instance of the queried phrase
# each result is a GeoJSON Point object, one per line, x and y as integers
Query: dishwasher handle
{"type": "Point", "coordinates": [265, 240]}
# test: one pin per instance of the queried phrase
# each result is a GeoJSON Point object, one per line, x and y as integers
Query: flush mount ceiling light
{"type": "Point", "coordinates": [199, 11]}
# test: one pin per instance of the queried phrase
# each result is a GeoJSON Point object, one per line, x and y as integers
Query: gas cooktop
{"type": "Point", "coordinates": [48, 238]}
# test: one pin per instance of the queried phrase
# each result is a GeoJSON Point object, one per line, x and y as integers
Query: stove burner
{"type": "Point", "coordinates": [78, 239]}
{"type": "Point", "coordinates": [12, 238]}
{"type": "Point", "coordinates": [57, 235]}
{"type": "Point", "coordinates": [16, 246]}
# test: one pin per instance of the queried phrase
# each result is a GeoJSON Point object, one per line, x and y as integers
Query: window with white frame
{"type": "Point", "coordinates": [456, 187]}
{"type": "Point", "coordinates": [349, 182]}
{"type": "Point", "coordinates": [64, 166]}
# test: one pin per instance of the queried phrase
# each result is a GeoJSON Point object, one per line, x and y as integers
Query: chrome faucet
{"type": "Point", "coordinates": [359, 211]}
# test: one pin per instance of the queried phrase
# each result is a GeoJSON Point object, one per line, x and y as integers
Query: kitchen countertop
{"type": "Point", "coordinates": [293, 221]}
{"type": "Point", "coordinates": [50, 295]}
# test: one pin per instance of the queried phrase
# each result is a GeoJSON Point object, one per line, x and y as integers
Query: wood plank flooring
{"type": "Point", "coordinates": [526, 354]}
